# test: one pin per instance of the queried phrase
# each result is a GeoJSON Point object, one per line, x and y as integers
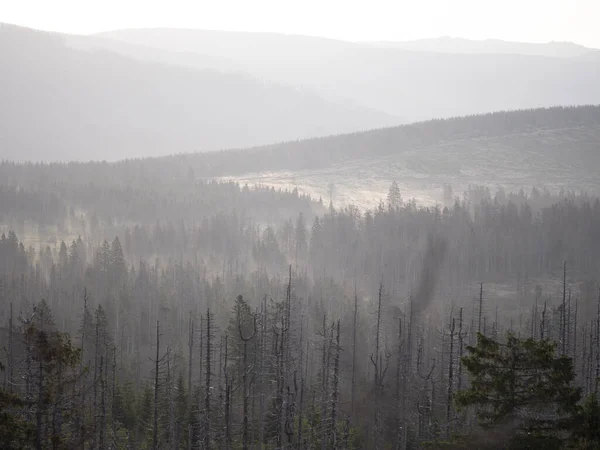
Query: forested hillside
{"type": "Point", "coordinates": [207, 301]}
{"type": "Point", "coordinates": [331, 329]}
{"type": "Point", "coordinates": [60, 103]}
{"type": "Point", "coordinates": [525, 130]}
{"type": "Point", "coordinates": [554, 148]}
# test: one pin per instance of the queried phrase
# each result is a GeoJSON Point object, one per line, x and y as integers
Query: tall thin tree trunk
{"type": "Point", "coordinates": [354, 331]}
{"type": "Point", "coordinates": [101, 439]}
{"type": "Point", "coordinates": [227, 414]}
{"type": "Point", "coordinates": [263, 332]}
{"type": "Point", "coordinates": [575, 334]}
{"type": "Point", "coordinates": [543, 324]}
{"type": "Point", "coordinates": [324, 384]}
{"type": "Point", "coordinates": [563, 316]}
{"type": "Point", "coordinates": [207, 380]}
{"type": "Point", "coordinates": [300, 444]}
{"type": "Point", "coordinates": [190, 358]}
{"type": "Point", "coordinates": [95, 404]}
{"type": "Point", "coordinates": [398, 394]}
{"type": "Point", "coordinates": [450, 380]}
{"type": "Point", "coordinates": [40, 405]}
{"type": "Point", "coordinates": [245, 340]}
{"type": "Point", "coordinates": [597, 379]}
{"type": "Point", "coordinates": [480, 307]}
{"type": "Point", "coordinates": [114, 385]}
{"type": "Point", "coordinates": [335, 394]}
{"type": "Point", "coordinates": [155, 422]}
{"type": "Point", "coordinates": [8, 380]}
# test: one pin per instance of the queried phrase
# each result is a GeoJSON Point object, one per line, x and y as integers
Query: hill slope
{"type": "Point", "coordinates": [61, 103]}
{"type": "Point", "coordinates": [414, 85]}
{"type": "Point", "coordinates": [555, 148]}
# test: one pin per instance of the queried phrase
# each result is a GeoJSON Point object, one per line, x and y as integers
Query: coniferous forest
{"type": "Point", "coordinates": [146, 312]}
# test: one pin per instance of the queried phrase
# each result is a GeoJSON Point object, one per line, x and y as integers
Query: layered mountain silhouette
{"type": "Point", "coordinates": [59, 102]}
{"type": "Point", "coordinates": [416, 80]}
{"type": "Point", "coordinates": [153, 92]}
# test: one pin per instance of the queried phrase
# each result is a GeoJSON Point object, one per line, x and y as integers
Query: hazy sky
{"type": "Point", "coordinates": [519, 20]}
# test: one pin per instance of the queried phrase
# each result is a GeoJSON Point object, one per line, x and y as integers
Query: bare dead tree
{"type": "Point", "coordinates": [424, 402]}
{"type": "Point", "coordinates": [590, 370]}
{"type": "Point", "coordinates": [563, 316]}
{"type": "Point", "coordinates": [114, 389]}
{"type": "Point", "coordinates": [245, 340]}
{"type": "Point", "coordinates": [543, 324]}
{"type": "Point", "coordinates": [300, 443]}
{"type": "Point", "coordinates": [207, 393]}
{"type": "Point", "coordinates": [324, 381]}
{"type": "Point", "coordinates": [102, 436]}
{"type": "Point", "coordinates": [584, 360]}
{"type": "Point", "coordinates": [575, 333]}
{"type": "Point", "coordinates": [399, 360]}
{"type": "Point", "coordinates": [190, 360]}
{"type": "Point", "coordinates": [354, 331]}
{"type": "Point", "coordinates": [380, 362]}
{"type": "Point", "coordinates": [450, 380]}
{"type": "Point", "coordinates": [8, 376]}
{"type": "Point", "coordinates": [480, 307]}
{"type": "Point", "coordinates": [227, 400]}
{"type": "Point", "coordinates": [156, 384]}
{"type": "Point", "coordinates": [263, 334]}
{"type": "Point", "coordinates": [597, 378]}
{"type": "Point", "coordinates": [335, 393]}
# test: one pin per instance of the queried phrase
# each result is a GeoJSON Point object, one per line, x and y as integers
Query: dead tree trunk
{"type": "Point", "coordinates": [207, 381]}
{"type": "Point", "coordinates": [227, 409]}
{"type": "Point", "coordinates": [156, 372]}
{"type": "Point", "coordinates": [95, 404]}
{"type": "Point", "coordinates": [398, 394]}
{"type": "Point", "coordinates": [354, 329]}
{"type": "Point", "coordinates": [324, 384]}
{"type": "Point", "coordinates": [245, 340]}
{"type": "Point", "coordinates": [300, 444]}
{"type": "Point", "coordinates": [450, 381]}
{"type": "Point", "coordinates": [263, 333]}
{"type": "Point", "coordinates": [597, 379]}
{"type": "Point", "coordinates": [8, 380]}
{"type": "Point", "coordinates": [335, 394]}
{"type": "Point", "coordinates": [101, 439]}
{"type": "Point", "coordinates": [190, 358]}
{"type": "Point", "coordinates": [563, 316]}
{"type": "Point", "coordinates": [480, 306]}
{"type": "Point", "coordinates": [41, 396]}
{"type": "Point", "coordinates": [114, 385]}
{"type": "Point", "coordinates": [543, 324]}
{"type": "Point", "coordinates": [575, 335]}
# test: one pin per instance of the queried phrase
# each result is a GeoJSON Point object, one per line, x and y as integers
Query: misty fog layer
{"type": "Point", "coordinates": [411, 81]}
{"type": "Point", "coordinates": [407, 286]}
{"type": "Point", "coordinates": [65, 104]}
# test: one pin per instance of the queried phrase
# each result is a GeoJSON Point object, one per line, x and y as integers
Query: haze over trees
{"type": "Point", "coordinates": [233, 324]}
{"type": "Point", "coordinates": [429, 285]}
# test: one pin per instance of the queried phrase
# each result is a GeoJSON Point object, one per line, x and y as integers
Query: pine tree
{"type": "Point", "coordinates": [521, 381]}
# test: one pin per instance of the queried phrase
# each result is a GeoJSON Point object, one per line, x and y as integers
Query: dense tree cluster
{"type": "Point", "coordinates": [340, 330]}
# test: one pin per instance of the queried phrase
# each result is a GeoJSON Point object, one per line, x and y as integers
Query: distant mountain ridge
{"type": "Point", "coordinates": [425, 80]}
{"type": "Point", "coordinates": [58, 102]}
{"type": "Point", "coordinates": [490, 46]}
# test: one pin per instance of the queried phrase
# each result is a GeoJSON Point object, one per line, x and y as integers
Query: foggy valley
{"type": "Point", "coordinates": [217, 239]}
